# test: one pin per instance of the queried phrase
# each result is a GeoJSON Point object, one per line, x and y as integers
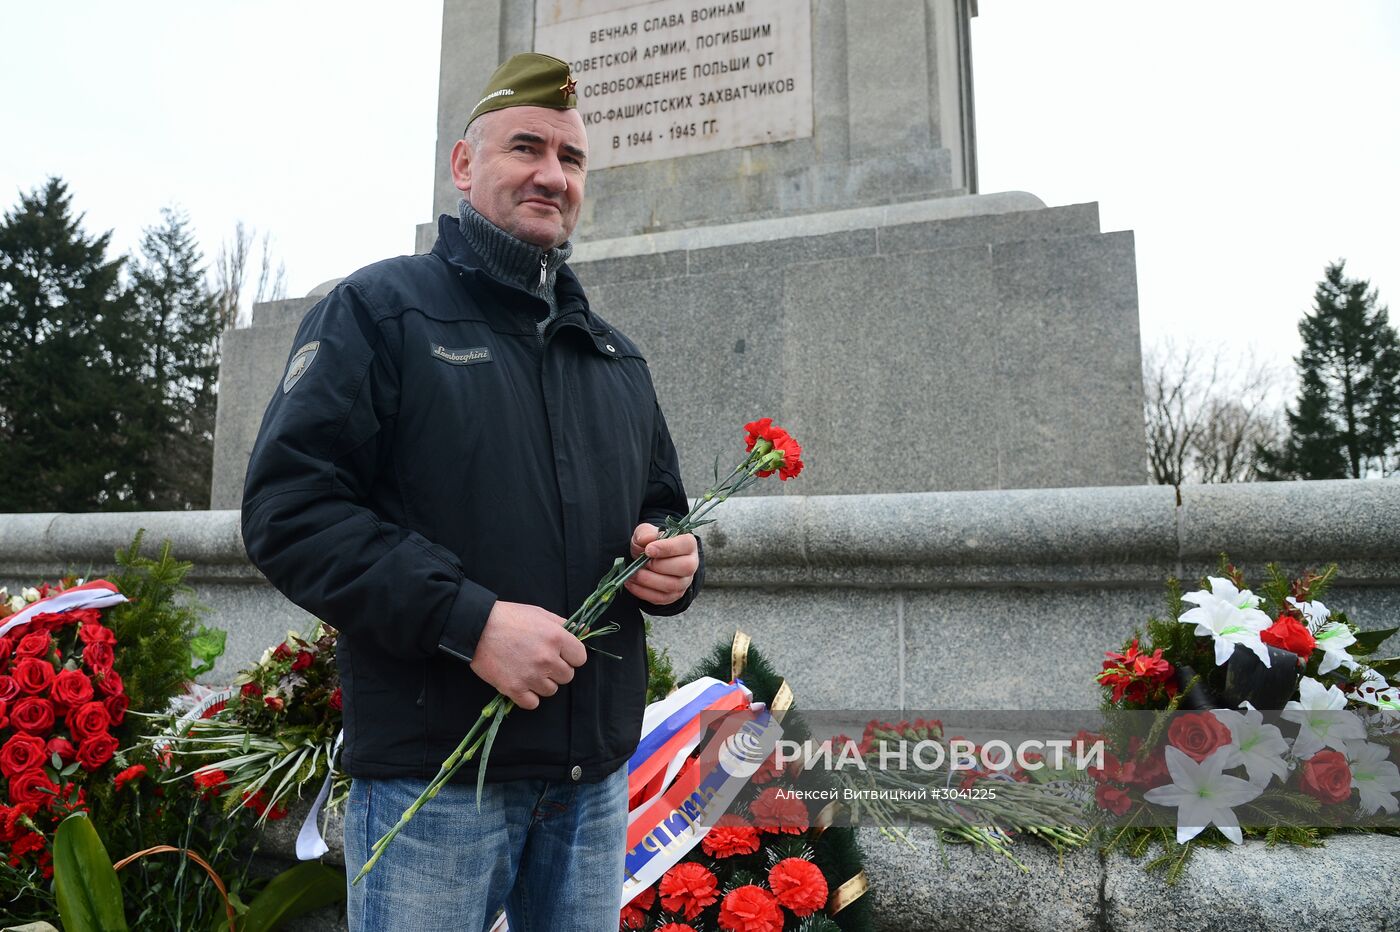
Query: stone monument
{"type": "Point", "coordinates": [782, 211]}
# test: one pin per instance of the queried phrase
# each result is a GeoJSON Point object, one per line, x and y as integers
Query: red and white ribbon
{"type": "Point", "coordinates": [96, 594]}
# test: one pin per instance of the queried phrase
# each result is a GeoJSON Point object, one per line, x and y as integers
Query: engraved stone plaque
{"type": "Point", "coordinates": [680, 77]}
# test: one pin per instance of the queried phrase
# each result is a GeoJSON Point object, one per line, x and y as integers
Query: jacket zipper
{"type": "Point", "coordinates": [544, 269]}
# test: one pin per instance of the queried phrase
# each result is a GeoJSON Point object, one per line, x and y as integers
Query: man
{"type": "Point", "coordinates": [459, 450]}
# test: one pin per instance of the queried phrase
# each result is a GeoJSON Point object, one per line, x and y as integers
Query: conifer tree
{"type": "Point", "coordinates": [69, 423]}
{"type": "Point", "coordinates": [1346, 421]}
{"type": "Point", "coordinates": [178, 322]}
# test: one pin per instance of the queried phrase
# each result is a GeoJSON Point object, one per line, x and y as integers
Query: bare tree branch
{"type": "Point", "coordinates": [1207, 417]}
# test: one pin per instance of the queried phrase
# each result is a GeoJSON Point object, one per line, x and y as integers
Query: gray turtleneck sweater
{"type": "Point", "coordinates": [514, 261]}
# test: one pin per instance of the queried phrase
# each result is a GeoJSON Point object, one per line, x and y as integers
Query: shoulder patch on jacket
{"type": "Point", "coordinates": [301, 361]}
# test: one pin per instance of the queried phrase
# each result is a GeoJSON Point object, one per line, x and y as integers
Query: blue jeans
{"type": "Point", "coordinates": [551, 853]}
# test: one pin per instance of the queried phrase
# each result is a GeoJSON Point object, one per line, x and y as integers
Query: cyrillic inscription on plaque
{"type": "Point", "coordinates": [679, 77]}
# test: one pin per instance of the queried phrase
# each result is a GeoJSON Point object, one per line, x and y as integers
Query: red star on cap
{"type": "Point", "coordinates": [569, 85]}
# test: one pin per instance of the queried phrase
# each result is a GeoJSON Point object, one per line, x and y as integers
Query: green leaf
{"type": "Point", "coordinates": [1388, 666]}
{"type": "Point", "coordinates": [485, 756]}
{"type": "Point", "coordinates": [292, 893]}
{"type": "Point", "coordinates": [206, 647]}
{"type": "Point", "coordinates": [85, 885]}
{"type": "Point", "coordinates": [1368, 642]}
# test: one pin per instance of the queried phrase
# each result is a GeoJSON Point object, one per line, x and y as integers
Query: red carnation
{"type": "Point", "coordinates": [63, 748]}
{"type": "Point", "coordinates": [799, 885]}
{"type": "Point", "coordinates": [336, 700]}
{"type": "Point", "coordinates": [88, 721]}
{"type": "Point", "coordinates": [251, 691]}
{"type": "Point", "coordinates": [25, 844]}
{"type": "Point", "coordinates": [688, 888]}
{"type": "Point", "coordinates": [763, 429]}
{"type": "Point", "coordinates": [135, 772]}
{"type": "Point", "coordinates": [32, 714]}
{"type": "Point", "coordinates": [98, 657]}
{"type": "Point", "coordinates": [95, 633]}
{"type": "Point", "coordinates": [792, 457]}
{"type": "Point", "coordinates": [1326, 777]}
{"type": "Point", "coordinates": [32, 786]}
{"type": "Point", "coordinates": [34, 645]}
{"type": "Point", "coordinates": [110, 683]}
{"type": "Point", "coordinates": [209, 782]}
{"type": "Point", "coordinates": [775, 812]}
{"type": "Point", "coordinates": [21, 753]}
{"type": "Point", "coordinates": [69, 798]}
{"type": "Point", "coordinates": [96, 751]}
{"type": "Point", "coordinates": [750, 909]}
{"type": "Point", "coordinates": [634, 914]}
{"type": "Point", "coordinates": [71, 688]}
{"type": "Point", "coordinates": [758, 430]}
{"type": "Point", "coordinates": [116, 708]}
{"type": "Point", "coordinates": [1136, 676]}
{"type": "Point", "coordinates": [303, 660]}
{"type": "Point", "coordinates": [275, 703]}
{"type": "Point", "coordinates": [1198, 734]}
{"type": "Point", "coordinates": [9, 688]}
{"type": "Point", "coordinates": [256, 801]}
{"type": "Point", "coordinates": [1112, 798]}
{"type": "Point", "coordinates": [1290, 634]}
{"type": "Point", "coordinates": [33, 675]}
{"type": "Point", "coordinates": [730, 837]}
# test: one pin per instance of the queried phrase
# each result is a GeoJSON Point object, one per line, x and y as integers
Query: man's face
{"type": "Point", "coordinates": [525, 172]}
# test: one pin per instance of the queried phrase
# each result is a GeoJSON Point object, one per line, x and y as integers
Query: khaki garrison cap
{"type": "Point", "coordinates": [528, 80]}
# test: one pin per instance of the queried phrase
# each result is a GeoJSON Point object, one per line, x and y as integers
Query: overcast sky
{"type": "Point", "coordinates": [1245, 143]}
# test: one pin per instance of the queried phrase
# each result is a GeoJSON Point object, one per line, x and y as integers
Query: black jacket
{"type": "Point", "coordinates": [428, 456]}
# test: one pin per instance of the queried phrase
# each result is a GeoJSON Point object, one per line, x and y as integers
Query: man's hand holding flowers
{"type": "Point", "coordinates": [673, 565]}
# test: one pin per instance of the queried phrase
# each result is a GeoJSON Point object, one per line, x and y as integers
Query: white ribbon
{"type": "Point", "coordinates": [310, 844]}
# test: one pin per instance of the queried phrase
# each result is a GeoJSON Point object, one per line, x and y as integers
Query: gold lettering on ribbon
{"type": "Point", "coordinates": [848, 893]}
{"type": "Point", "coordinates": [783, 698]}
{"type": "Point", "coordinates": [738, 655]}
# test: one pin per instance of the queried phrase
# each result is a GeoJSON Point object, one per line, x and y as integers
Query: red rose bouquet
{"type": "Point", "coordinates": [61, 702]}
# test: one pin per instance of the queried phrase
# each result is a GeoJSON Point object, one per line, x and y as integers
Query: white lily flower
{"type": "Point", "coordinates": [1321, 719]}
{"type": "Point", "coordinates": [1374, 775]}
{"type": "Point", "coordinates": [1374, 689]}
{"type": "Point", "coordinates": [1203, 795]}
{"type": "Point", "coordinates": [1315, 612]}
{"type": "Point", "coordinates": [30, 594]}
{"type": "Point", "coordinates": [1333, 639]}
{"type": "Point", "coordinates": [16, 603]}
{"type": "Point", "coordinates": [1230, 616]}
{"type": "Point", "coordinates": [1257, 747]}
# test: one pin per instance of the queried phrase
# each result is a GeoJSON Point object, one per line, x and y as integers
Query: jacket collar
{"type": "Point", "coordinates": [454, 249]}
